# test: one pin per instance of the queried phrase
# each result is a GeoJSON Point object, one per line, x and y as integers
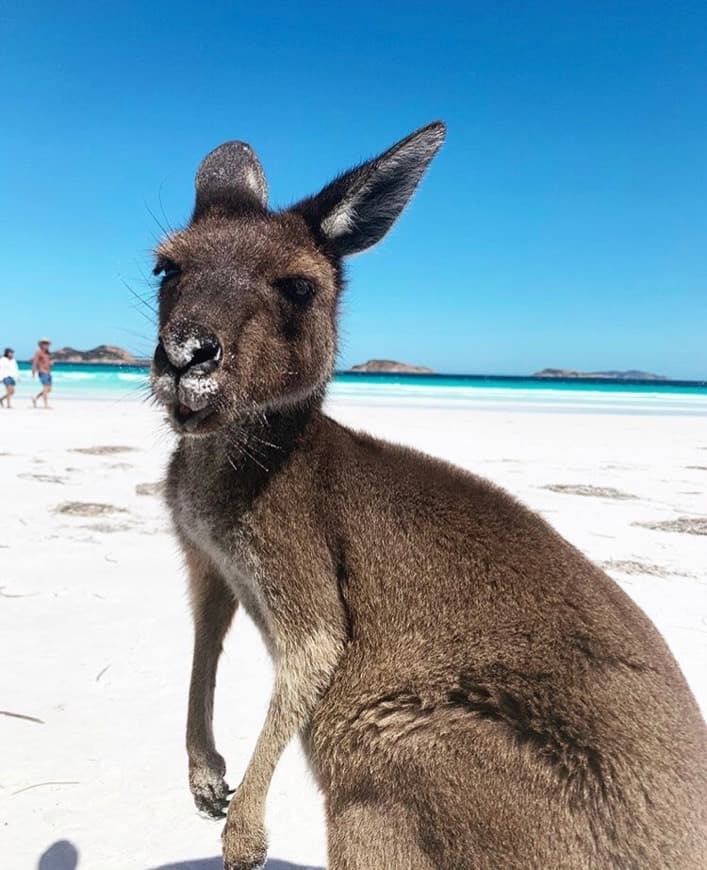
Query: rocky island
{"type": "Point", "coordinates": [390, 366]}
{"type": "Point", "coordinates": [630, 375]}
{"type": "Point", "coordinates": [106, 354]}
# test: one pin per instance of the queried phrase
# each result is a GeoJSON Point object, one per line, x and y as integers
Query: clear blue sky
{"type": "Point", "coordinates": [563, 224]}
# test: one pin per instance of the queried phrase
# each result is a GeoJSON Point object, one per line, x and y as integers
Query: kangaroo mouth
{"type": "Point", "coordinates": [188, 421]}
{"type": "Point", "coordinates": [192, 403]}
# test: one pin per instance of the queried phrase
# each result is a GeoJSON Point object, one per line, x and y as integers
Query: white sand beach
{"type": "Point", "coordinates": [95, 631]}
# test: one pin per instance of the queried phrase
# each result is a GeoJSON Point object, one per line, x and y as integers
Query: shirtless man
{"type": "Point", "coordinates": [42, 366]}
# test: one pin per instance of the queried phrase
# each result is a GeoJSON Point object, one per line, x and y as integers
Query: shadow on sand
{"type": "Point", "coordinates": [217, 864]}
{"type": "Point", "coordinates": [63, 855]}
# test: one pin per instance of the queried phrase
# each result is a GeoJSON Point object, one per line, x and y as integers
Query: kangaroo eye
{"type": "Point", "coordinates": [296, 288]}
{"type": "Point", "coordinates": [168, 269]}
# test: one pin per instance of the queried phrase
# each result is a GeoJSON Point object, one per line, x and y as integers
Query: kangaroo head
{"type": "Point", "coordinates": [248, 297]}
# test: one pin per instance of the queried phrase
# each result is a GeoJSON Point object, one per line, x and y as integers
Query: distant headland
{"type": "Point", "coordinates": [109, 354]}
{"type": "Point", "coordinates": [630, 375]}
{"type": "Point", "coordinates": [390, 366]}
{"type": "Point", "coordinates": [106, 354]}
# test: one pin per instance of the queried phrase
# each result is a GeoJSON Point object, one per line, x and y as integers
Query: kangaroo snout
{"type": "Point", "coordinates": [184, 363]}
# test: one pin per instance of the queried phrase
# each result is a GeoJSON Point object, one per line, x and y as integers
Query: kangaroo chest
{"type": "Point", "coordinates": [214, 523]}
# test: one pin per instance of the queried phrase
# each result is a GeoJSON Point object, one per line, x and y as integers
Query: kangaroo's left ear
{"type": "Point", "coordinates": [358, 208]}
{"type": "Point", "coordinates": [230, 176]}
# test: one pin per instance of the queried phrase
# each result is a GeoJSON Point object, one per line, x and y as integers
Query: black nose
{"type": "Point", "coordinates": [208, 350]}
{"type": "Point", "coordinates": [189, 349]}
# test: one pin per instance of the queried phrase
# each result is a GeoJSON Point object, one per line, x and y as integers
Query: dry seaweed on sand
{"type": "Point", "coordinates": [103, 450]}
{"type": "Point", "coordinates": [42, 478]}
{"type": "Point", "coordinates": [87, 509]}
{"type": "Point", "coordinates": [683, 525]}
{"type": "Point", "coordinates": [588, 490]}
{"type": "Point", "coordinates": [149, 488]}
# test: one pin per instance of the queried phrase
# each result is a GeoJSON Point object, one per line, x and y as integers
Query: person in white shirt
{"type": "Point", "coordinates": [9, 375]}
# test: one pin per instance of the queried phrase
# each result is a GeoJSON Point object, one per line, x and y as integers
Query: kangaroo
{"type": "Point", "coordinates": [470, 690]}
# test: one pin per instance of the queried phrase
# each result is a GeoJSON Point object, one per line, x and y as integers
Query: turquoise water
{"type": "Point", "coordinates": [89, 381]}
{"type": "Point", "coordinates": [126, 383]}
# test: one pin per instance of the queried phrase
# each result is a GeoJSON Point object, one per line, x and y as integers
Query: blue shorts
{"type": "Point", "coordinates": [45, 379]}
{"type": "Point", "coordinates": [8, 381]}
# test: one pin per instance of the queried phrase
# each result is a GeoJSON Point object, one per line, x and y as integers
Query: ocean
{"type": "Point", "coordinates": [493, 392]}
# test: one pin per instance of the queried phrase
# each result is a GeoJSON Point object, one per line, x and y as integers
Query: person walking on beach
{"type": "Point", "coordinates": [42, 366]}
{"type": "Point", "coordinates": [9, 375]}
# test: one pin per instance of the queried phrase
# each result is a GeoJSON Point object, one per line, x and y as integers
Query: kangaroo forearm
{"type": "Point", "coordinates": [283, 722]}
{"type": "Point", "coordinates": [200, 738]}
{"type": "Point", "coordinates": [213, 608]}
{"type": "Point", "coordinates": [302, 677]}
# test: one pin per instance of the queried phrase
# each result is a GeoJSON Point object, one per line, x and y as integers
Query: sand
{"type": "Point", "coordinates": [95, 632]}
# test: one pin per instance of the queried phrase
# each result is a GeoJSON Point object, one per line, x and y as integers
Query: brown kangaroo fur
{"type": "Point", "coordinates": [471, 691]}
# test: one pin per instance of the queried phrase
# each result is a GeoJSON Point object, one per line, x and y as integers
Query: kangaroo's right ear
{"type": "Point", "coordinates": [358, 208]}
